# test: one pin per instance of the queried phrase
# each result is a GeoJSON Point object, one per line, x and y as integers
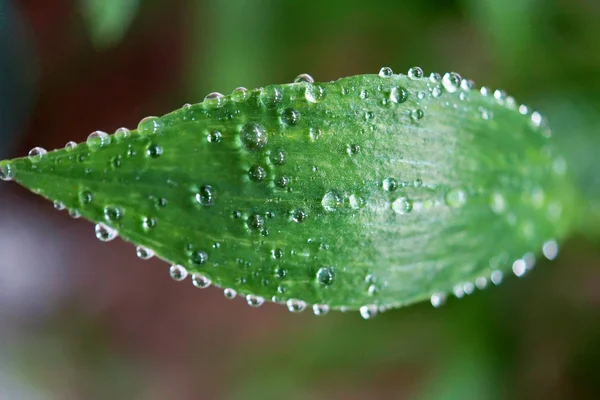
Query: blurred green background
{"type": "Point", "coordinates": [80, 319]}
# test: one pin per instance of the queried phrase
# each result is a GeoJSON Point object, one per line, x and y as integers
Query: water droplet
{"type": "Point", "coordinates": [364, 94]}
{"type": "Point", "coordinates": [256, 173]}
{"type": "Point", "coordinates": [253, 136]}
{"type": "Point", "coordinates": [105, 233]}
{"type": "Point", "coordinates": [214, 97]}
{"type": "Point", "coordinates": [536, 119]}
{"type": "Point", "coordinates": [467, 85]}
{"type": "Point", "coordinates": [481, 282]}
{"type": "Point", "coordinates": [154, 151]}
{"type": "Point", "coordinates": [332, 201]}
{"type": "Point", "coordinates": [372, 290]}
{"type": "Point", "coordinates": [320, 309]}
{"type": "Point", "coordinates": [74, 213]}
{"type": "Point", "coordinates": [390, 184]}
{"type": "Point", "coordinates": [290, 116]}
{"type": "Point", "coordinates": [369, 115]}
{"type": "Point", "coordinates": [178, 272]}
{"type": "Point", "coordinates": [277, 254]}
{"type": "Point", "coordinates": [214, 136]}
{"type": "Point", "coordinates": [435, 77]}
{"type": "Point", "coordinates": [456, 198]}
{"type": "Point", "coordinates": [121, 134]}
{"type": "Point", "coordinates": [254, 301]}
{"type": "Point", "coordinates": [314, 134]}
{"type": "Point", "coordinates": [498, 204]}
{"type": "Point", "coordinates": [36, 154]}
{"type": "Point", "coordinates": [356, 202]}
{"type": "Point", "coordinates": [70, 145]}
{"type": "Point", "coordinates": [436, 91]}
{"type": "Point", "coordinates": [97, 139]}
{"type": "Point", "coordinates": [484, 91]}
{"type": "Point", "coordinates": [398, 95]}
{"type": "Point", "coordinates": [239, 93]}
{"type": "Point", "coordinates": [295, 305]}
{"type": "Point", "coordinates": [496, 277]}
{"type": "Point", "coordinates": [199, 257]}
{"type": "Point", "coordinates": [229, 293]}
{"type": "Point", "coordinates": [6, 172]}
{"type": "Point", "coordinates": [468, 288]}
{"type": "Point", "coordinates": [255, 222]}
{"type": "Point", "coordinates": [200, 281]}
{"type": "Point", "coordinates": [550, 249]}
{"type": "Point", "coordinates": [417, 114]}
{"type": "Point", "coordinates": [144, 253]}
{"type": "Point", "coordinates": [353, 149]}
{"type": "Point", "coordinates": [148, 223]}
{"type": "Point", "coordinates": [519, 267]}
{"type": "Point", "coordinates": [278, 157]}
{"type": "Point", "coordinates": [451, 81]}
{"type": "Point", "coordinates": [421, 95]}
{"type": "Point", "coordinates": [402, 205]}
{"type": "Point", "coordinates": [370, 311]}
{"type": "Point", "coordinates": [112, 214]}
{"type": "Point", "coordinates": [325, 276]}
{"type": "Point", "coordinates": [314, 93]}
{"type": "Point", "coordinates": [438, 299]}
{"type": "Point", "coordinates": [59, 206]}
{"type": "Point", "coordinates": [385, 72]}
{"type": "Point", "coordinates": [298, 216]}
{"type": "Point", "coordinates": [500, 95]}
{"type": "Point", "coordinates": [282, 181]}
{"type": "Point", "coordinates": [304, 78]}
{"type": "Point", "coordinates": [415, 73]}
{"type": "Point", "coordinates": [206, 196]}
{"type": "Point", "coordinates": [149, 125]}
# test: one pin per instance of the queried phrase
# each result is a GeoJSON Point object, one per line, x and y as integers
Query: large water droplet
{"type": "Point", "coordinates": [121, 134]}
{"type": "Point", "coordinates": [200, 281]}
{"type": "Point", "coordinates": [332, 201]}
{"type": "Point", "coordinates": [314, 93]}
{"type": "Point", "coordinates": [369, 311]}
{"type": "Point", "coordinates": [144, 253]}
{"type": "Point", "coordinates": [206, 196]}
{"type": "Point", "coordinates": [451, 81]}
{"type": "Point", "coordinates": [97, 139]}
{"type": "Point", "coordinates": [295, 305]}
{"type": "Point", "coordinates": [438, 299]}
{"type": "Point", "coordinates": [398, 95]}
{"type": "Point", "coordinates": [325, 276]}
{"type": "Point", "coordinates": [178, 272]}
{"type": "Point", "coordinates": [215, 97]}
{"type": "Point", "coordinates": [253, 136]}
{"type": "Point", "coordinates": [386, 72]}
{"type": "Point", "coordinates": [402, 205]}
{"type": "Point", "coordinates": [6, 172]}
{"type": "Point", "coordinates": [254, 301]}
{"type": "Point", "coordinates": [320, 309]}
{"type": "Point", "coordinates": [36, 154]}
{"type": "Point", "coordinates": [415, 73]}
{"type": "Point", "coordinates": [270, 96]}
{"type": "Point", "coordinates": [104, 232]}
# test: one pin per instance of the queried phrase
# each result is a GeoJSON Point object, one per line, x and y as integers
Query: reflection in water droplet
{"type": "Point", "coordinates": [149, 125]}
{"type": "Point", "coordinates": [402, 205]}
{"type": "Point", "coordinates": [70, 145]}
{"type": "Point", "coordinates": [257, 173]}
{"type": "Point", "coordinates": [255, 222]}
{"type": "Point", "coordinates": [278, 157]}
{"type": "Point", "coordinates": [199, 257]}
{"type": "Point", "coordinates": [144, 253]}
{"type": "Point", "coordinates": [290, 116]}
{"type": "Point", "coordinates": [390, 184]}
{"type": "Point", "coordinates": [214, 136]}
{"type": "Point", "coordinates": [97, 139]}
{"type": "Point", "coordinates": [121, 134]}
{"type": "Point", "coordinates": [206, 196]}
{"type": "Point", "coordinates": [178, 272]}
{"type": "Point", "coordinates": [325, 276]}
{"type": "Point", "coordinates": [112, 214]}
{"type": "Point", "coordinates": [104, 232]}
{"type": "Point", "coordinates": [36, 154]}
{"type": "Point", "coordinates": [229, 293]}
{"type": "Point", "coordinates": [6, 172]}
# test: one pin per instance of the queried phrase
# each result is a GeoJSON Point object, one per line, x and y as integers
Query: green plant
{"type": "Point", "coordinates": [370, 192]}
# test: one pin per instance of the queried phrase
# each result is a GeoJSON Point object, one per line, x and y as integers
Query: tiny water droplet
{"type": "Point", "coordinates": [97, 139]}
{"type": "Point", "coordinates": [385, 72]}
{"type": "Point", "coordinates": [105, 233]}
{"type": "Point", "coordinates": [369, 311]}
{"type": "Point", "coordinates": [74, 213]}
{"type": "Point", "coordinates": [253, 136]}
{"type": "Point", "coordinates": [415, 73]}
{"type": "Point", "coordinates": [282, 181]}
{"type": "Point", "coordinates": [256, 173]}
{"type": "Point", "coordinates": [148, 223]}
{"type": "Point", "coordinates": [278, 157]}
{"type": "Point", "coordinates": [436, 91]}
{"type": "Point", "coordinates": [364, 94]}
{"type": "Point", "coordinates": [178, 272]}
{"type": "Point", "coordinates": [435, 77]}
{"type": "Point", "coordinates": [314, 134]}
{"type": "Point", "coordinates": [438, 299]}
{"type": "Point", "coordinates": [255, 222]}
{"type": "Point", "coordinates": [112, 214]}
{"type": "Point", "coordinates": [290, 116]}
{"type": "Point", "coordinates": [352, 149]}
{"type": "Point", "coordinates": [36, 154]}
{"type": "Point", "coordinates": [398, 95]}
{"type": "Point", "coordinates": [70, 145]}
{"type": "Point", "coordinates": [206, 196]}
{"type": "Point", "coordinates": [523, 110]}
{"type": "Point", "coordinates": [214, 136]}
{"type": "Point", "coordinates": [59, 206]}
{"type": "Point", "coordinates": [200, 281]}
{"type": "Point", "coordinates": [325, 276]}
{"type": "Point", "coordinates": [295, 305]}
{"type": "Point", "coordinates": [144, 253]}
{"type": "Point", "coordinates": [304, 78]}
{"type": "Point", "coordinates": [484, 91]}
{"type": "Point", "coordinates": [254, 301]}
{"type": "Point", "coordinates": [199, 257]}
{"type": "Point", "coordinates": [467, 85]}
{"type": "Point", "coordinates": [320, 309]}
{"type": "Point", "coordinates": [229, 293]}
{"type": "Point", "coordinates": [314, 93]}
{"type": "Point", "coordinates": [6, 172]}
{"type": "Point", "coordinates": [332, 201]}
{"type": "Point", "coordinates": [154, 151]}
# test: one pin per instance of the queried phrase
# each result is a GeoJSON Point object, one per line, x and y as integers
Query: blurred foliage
{"type": "Point", "coordinates": [532, 338]}
{"type": "Point", "coordinates": [108, 20]}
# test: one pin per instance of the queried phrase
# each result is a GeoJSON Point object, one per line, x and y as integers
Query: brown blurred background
{"type": "Point", "coordinates": [80, 319]}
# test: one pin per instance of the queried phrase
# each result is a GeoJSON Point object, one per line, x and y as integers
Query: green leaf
{"type": "Point", "coordinates": [370, 192]}
{"type": "Point", "coordinates": [108, 20]}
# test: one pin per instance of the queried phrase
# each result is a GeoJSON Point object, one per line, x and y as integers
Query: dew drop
{"type": "Point", "coordinates": [295, 305]}
{"type": "Point", "coordinates": [59, 205]}
{"type": "Point", "coordinates": [496, 277]}
{"type": "Point", "coordinates": [386, 72]}
{"type": "Point", "coordinates": [198, 258]}
{"type": "Point", "coordinates": [417, 114]}
{"type": "Point", "coordinates": [121, 134]}
{"type": "Point", "coordinates": [85, 197]}
{"type": "Point", "coordinates": [97, 139]}
{"type": "Point", "coordinates": [298, 216]}
{"type": "Point", "coordinates": [6, 172]}
{"type": "Point", "coordinates": [112, 214]}
{"type": "Point", "coordinates": [70, 145]}
{"type": "Point", "coordinates": [278, 157]}
{"type": "Point", "coordinates": [498, 203]}
{"type": "Point", "coordinates": [36, 154]}
{"type": "Point", "coordinates": [105, 233]}
{"type": "Point", "coordinates": [178, 272]}
{"type": "Point", "coordinates": [438, 299]}
{"type": "Point", "coordinates": [74, 213]}
{"type": "Point", "coordinates": [402, 205]}
{"type": "Point", "coordinates": [481, 282]}
{"type": "Point", "coordinates": [277, 254]}
{"type": "Point", "coordinates": [290, 116]}
{"type": "Point", "coordinates": [523, 110]}
{"type": "Point", "coordinates": [149, 125]}
{"type": "Point", "coordinates": [254, 301]}
{"type": "Point", "coordinates": [314, 93]}
{"type": "Point", "coordinates": [370, 311]}
{"type": "Point", "coordinates": [320, 309]}
{"type": "Point", "coordinates": [304, 78]}
{"type": "Point", "coordinates": [200, 281]}
{"type": "Point", "coordinates": [519, 267]}
{"type": "Point", "coordinates": [468, 288]}
{"type": "Point", "coordinates": [451, 81]}
{"type": "Point", "coordinates": [256, 173]}
{"type": "Point", "coordinates": [255, 222]}
{"type": "Point", "coordinates": [325, 276]}
{"type": "Point", "coordinates": [154, 151]}
{"type": "Point", "coordinates": [415, 73]}
{"type": "Point", "coordinates": [352, 149]}
{"type": "Point", "coordinates": [369, 115]}
{"type": "Point", "coordinates": [332, 201]}
{"type": "Point", "coordinates": [314, 134]}
{"type": "Point", "coordinates": [467, 85]}
{"type": "Point", "coordinates": [229, 293]}
{"type": "Point", "coordinates": [436, 91]}
{"type": "Point", "coordinates": [398, 95]}
{"type": "Point", "coordinates": [456, 198]}
{"type": "Point", "coordinates": [484, 91]}
{"type": "Point", "coordinates": [214, 136]}
{"type": "Point", "coordinates": [148, 223]}
{"type": "Point", "coordinates": [206, 196]}
{"type": "Point", "coordinates": [144, 253]}
{"type": "Point", "coordinates": [239, 93]}
{"type": "Point", "coordinates": [214, 97]}
{"type": "Point", "coordinates": [253, 136]}
{"type": "Point", "coordinates": [364, 94]}
{"type": "Point", "coordinates": [435, 77]}
{"type": "Point", "coordinates": [550, 249]}
{"type": "Point", "coordinates": [282, 181]}
{"type": "Point", "coordinates": [390, 184]}
{"type": "Point", "coordinates": [356, 202]}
